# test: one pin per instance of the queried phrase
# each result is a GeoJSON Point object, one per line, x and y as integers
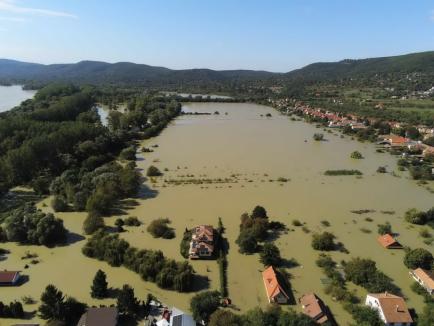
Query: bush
{"type": "Point", "coordinates": [318, 137]}
{"type": "Point", "coordinates": [381, 169]}
{"type": "Point", "coordinates": [356, 155]}
{"type": "Point", "coordinates": [270, 255]}
{"type": "Point", "coordinates": [323, 241]}
{"type": "Point", "coordinates": [153, 171]}
{"type": "Point", "coordinates": [384, 228]}
{"type": "Point", "coordinates": [132, 221]}
{"type": "Point", "coordinates": [159, 228]}
{"type": "Point", "coordinates": [128, 154]}
{"type": "Point", "coordinates": [418, 258]}
{"type": "Point", "coordinates": [93, 223]}
{"type": "Point", "coordinates": [297, 223]}
{"type": "Point", "coordinates": [342, 172]}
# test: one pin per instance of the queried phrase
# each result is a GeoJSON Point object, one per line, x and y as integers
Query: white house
{"type": "Point", "coordinates": [391, 308]}
{"type": "Point", "coordinates": [424, 278]}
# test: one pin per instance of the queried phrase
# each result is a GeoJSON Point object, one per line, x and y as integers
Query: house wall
{"type": "Point", "coordinates": [418, 280]}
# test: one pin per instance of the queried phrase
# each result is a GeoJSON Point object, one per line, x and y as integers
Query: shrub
{"type": "Point", "coordinates": [323, 241]}
{"type": "Point", "coordinates": [415, 216]}
{"type": "Point", "coordinates": [132, 221]}
{"type": "Point", "coordinates": [356, 155]}
{"type": "Point", "coordinates": [159, 228]}
{"type": "Point", "coordinates": [381, 169]}
{"type": "Point", "coordinates": [384, 228]}
{"type": "Point", "coordinates": [296, 223]}
{"type": "Point", "coordinates": [318, 137]}
{"type": "Point", "coordinates": [153, 171]}
{"type": "Point", "coordinates": [128, 153]}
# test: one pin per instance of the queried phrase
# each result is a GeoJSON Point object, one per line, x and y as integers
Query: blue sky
{"type": "Point", "coordinates": [275, 35]}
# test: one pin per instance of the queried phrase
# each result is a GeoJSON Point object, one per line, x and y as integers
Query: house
{"type": "Point", "coordinates": [429, 150]}
{"type": "Point", "coordinates": [202, 242]}
{"type": "Point", "coordinates": [391, 308]}
{"type": "Point", "coordinates": [107, 316]}
{"type": "Point", "coordinates": [176, 317]}
{"type": "Point", "coordinates": [9, 278]}
{"type": "Point", "coordinates": [396, 141]}
{"type": "Point", "coordinates": [424, 278]}
{"type": "Point", "coordinates": [274, 288]}
{"type": "Point", "coordinates": [314, 307]}
{"type": "Point", "coordinates": [388, 242]}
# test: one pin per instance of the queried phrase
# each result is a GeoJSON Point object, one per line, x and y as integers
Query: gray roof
{"type": "Point", "coordinates": [107, 316]}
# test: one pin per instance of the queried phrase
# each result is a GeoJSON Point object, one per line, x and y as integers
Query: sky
{"type": "Point", "coordinates": [273, 35]}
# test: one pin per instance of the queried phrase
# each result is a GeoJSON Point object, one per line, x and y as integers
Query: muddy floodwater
{"type": "Point", "coordinates": [223, 165]}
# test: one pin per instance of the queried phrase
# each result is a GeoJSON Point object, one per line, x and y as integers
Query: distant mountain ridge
{"type": "Point", "coordinates": [95, 72]}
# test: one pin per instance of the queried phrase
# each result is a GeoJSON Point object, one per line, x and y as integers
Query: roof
{"type": "Point", "coordinates": [204, 231]}
{"type": "Point", "coordinates": [272, 285]}
{"type": "Point", "coordinates": [393, 307]}
{"type": "Point", "coordinates": [106, 316]}
{"type": "Point", "coordinates": [425, 276]}
{"type": "Point", "coordinates": [8, 276]}
{"type": "Point", "coordinates": [313, 307]}
{"type": "Point", "coordinates": [386, 240]}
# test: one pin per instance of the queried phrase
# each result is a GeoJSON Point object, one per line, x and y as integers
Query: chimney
{"type": "Point", "coordinates": [397, 308]}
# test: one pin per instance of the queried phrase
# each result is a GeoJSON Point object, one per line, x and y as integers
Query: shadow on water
{"type": "Point", "coordinates": [74, 238]}
{"type": "Point", "coordinates": [146, 193]}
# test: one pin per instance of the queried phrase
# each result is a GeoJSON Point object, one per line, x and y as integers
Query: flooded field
{"type": "Point", "coordinates": [222, 166]}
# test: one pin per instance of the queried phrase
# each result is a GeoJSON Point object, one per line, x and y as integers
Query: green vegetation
{"type": "Point", "coordinates": [384, 228]}
{"type": "Point", "coordinates": [127, 302]}
{"type": "Point", "coordinates": [56, 307]}
{"type": "Point", "coordinates": [415, 216]}
{"type": "Point", "coordinates": [185, 243]}
{"type": "Point", "coordinates": [364, 272]}
{"type": "Point", "coordinates": [151, 265]}
{"type": "Point", "coordinates": [132, 221]}
{"type": "Point", "coordinates": [342, 172]}
{"type": "Point", "coordinates": [270, 255]}
{"type": "Point", "coordinates": [153, 171]}
{"type": "Point", "coordinates": [222, 259]}
{"type": "Point", "coordinates": [27, 225]}
{"type": "Point", "coordinates": [203, 304]}
{"type": "Point", "coordinates": [93, 223]}
{"type": "Point", "coordinates": [99, 285]}
{"type": "Point", "coordinates": [356, 155]}
{"type": "Point", "coordinates": [318, 137]}
{"type": "Point", "coordinates": [159, 228]}
{"type": "Point", "coordinates": [323, 241]}
{"type": "Point", "coordinates": [11, 310]}
{"type": "Point", "coordinates": [419, 257]}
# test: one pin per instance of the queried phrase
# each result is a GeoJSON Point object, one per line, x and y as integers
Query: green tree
{"type": "Point", "coordinates": [153, 171]}
{"type": "Point", "coordinates": [259, 212]}
{"type": "Point", "coordinates": [99, 285]}
{"type": "Point", "coordinates": [224, 318]}
{"type": "Point", "coordinates": [92, 223]}
{"type": "Point", "coordinates": [204, 304]}
{"type": "Point", "coordinates": [127, 302]}
{"type": "Point", "coordinates": [426, 318]}
{"type": "Point", "coordinates": [52, 307]}
{"type": "Point", "coordinates": [385, 228]}
{"type": "Point", "coordinates": [356, 155]}
{"type": "Point", "coordinates": [270, 255]}
{"type": "Point", "coordinates": [418, 258]}
{"type": "Point", "coordinates": [415, 216]}
{"type": "Point", "coordinates": [323, 241]}
{"type": "Point", "coordinates": [247, 242]}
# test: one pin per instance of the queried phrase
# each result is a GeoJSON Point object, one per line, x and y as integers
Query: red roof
{"type": "Point", "coordinates": [393, 307]}
{"type": "Point", "coordinates": [272, 285]}
{"type": "Point", "coordinates": [387, 241]}
{"type": "Point", "coordinates": [8, 276]}
{"type": "Point", "coordinates": [313, 307]}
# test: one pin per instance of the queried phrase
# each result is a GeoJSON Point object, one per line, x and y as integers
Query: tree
{"type": "Point", "coordinates": [323, 241]}
{"type": "Point", "coordinates": [204, 304]}
{"type": "Point", "coordinates": [270, 255]}
{"type": "Point", "coordinates": [128, 153]}
{"type": "Point", "coordinates": [259, 212]}
{"type": "Point", "coordinates": [51, 304]}
{"type": "Point", "coordinates": [153, 171]}
{"type": "Point", "coordinates": [99, 286]}
{"type": "Point", "coordinates": [126, 301]}
{"type": "Point", "coordinates": [73, 310]}
{"type": "Point", "coordinates": [247, 242]}
{"type": "Point", "coordinates": [364, 316]}
{"type": "Point", "coordinates": [224, 318]}
{"type": "Point", "coordinates": [159, 229]}
{"type": "Point", "coordinates": [385, 228]}
{"type": "Point", "coordinates": [418, 258]}
{"type": "Point", "coordinates": [59, 204]}
{"type": "Point", "coordinates": [415, 216]}
{"type": "Point", "coordinates": [318, 137]}
{"type": "Point", "coordinates": [92, 223]}
{"type": "Point", "coordinates": [427, 316]}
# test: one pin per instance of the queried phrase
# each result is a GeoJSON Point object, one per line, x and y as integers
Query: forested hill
{"type": "Point", "coordinates": [94, 72]}
{"type": "Point", "coordinates": [422, 62]}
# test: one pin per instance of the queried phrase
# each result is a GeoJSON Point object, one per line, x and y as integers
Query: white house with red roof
{"type": "Point", "coordinates": [391, 308]}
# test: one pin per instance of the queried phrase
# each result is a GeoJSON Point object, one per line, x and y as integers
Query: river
{"type": "Point", "coordinates": [252, 151]}
{"type": "Point", "coordinates": [11, 96]}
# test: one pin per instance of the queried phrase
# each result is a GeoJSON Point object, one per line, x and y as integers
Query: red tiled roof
{"type": "Point", "coordinates": [388, 241]}
{"type": "Point", "coordinates": [313, 307]}
{"type": "Point", "coordinates": [272, 285]}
